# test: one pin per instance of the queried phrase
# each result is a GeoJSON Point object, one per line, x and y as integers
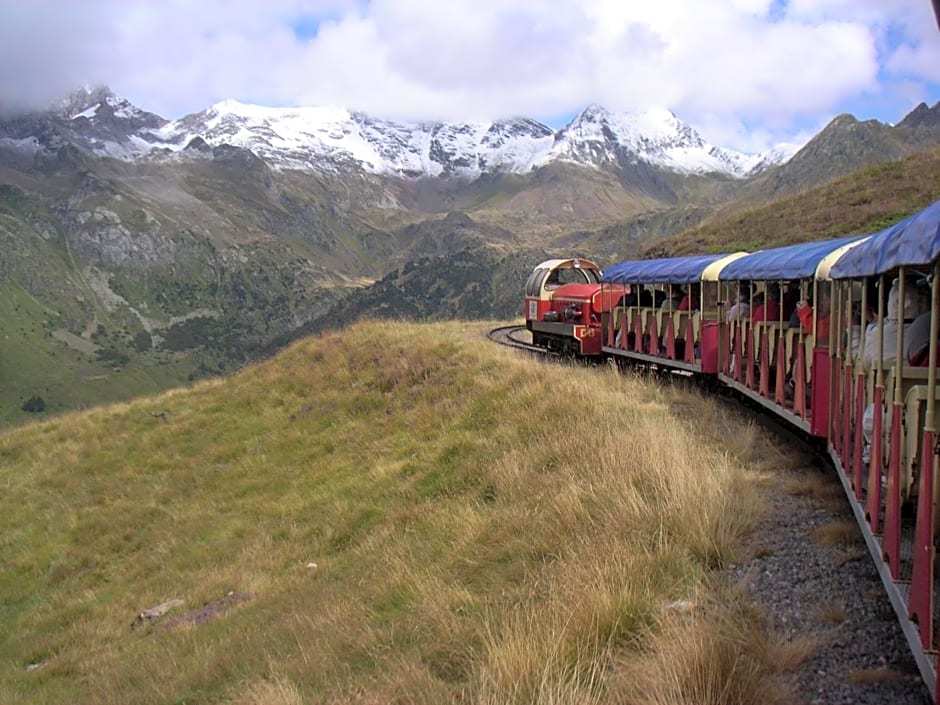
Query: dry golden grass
{"type": "Point", "coordinates": [719, 654]}
{"type": "Point", "coordinates": [851, 554]}
{"type": "Point", "coordinates": [869, 676]}
{"type": "Point", "coordinates": [485, 528]}
{"type": "Point", "coordinates": [832, 611]}
{"type": "Point", "coordinates": [811, 485]}
{"type": "Point", "coordinates": [276, 692]}
{"type": "Point", "coordinates": [837, 533]}
{"type": "Point", "coordinates": [763, 551]}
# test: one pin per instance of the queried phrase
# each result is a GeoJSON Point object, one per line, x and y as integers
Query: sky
{"type": "Point", "coordinates": [747, 74]}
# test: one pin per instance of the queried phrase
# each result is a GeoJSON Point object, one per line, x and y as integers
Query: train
{"type": "Point", "coordinates": [838, 338]}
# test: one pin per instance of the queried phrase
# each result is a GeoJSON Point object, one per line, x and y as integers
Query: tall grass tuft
{"type": "Point", "coordinates": [388, 513]}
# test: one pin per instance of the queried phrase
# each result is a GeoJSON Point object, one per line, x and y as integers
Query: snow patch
{"type": "Point", "coordinates": [88, 112]}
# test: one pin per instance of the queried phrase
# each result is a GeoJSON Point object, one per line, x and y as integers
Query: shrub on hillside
{"type": "Point", "coordinates": [34, 405]}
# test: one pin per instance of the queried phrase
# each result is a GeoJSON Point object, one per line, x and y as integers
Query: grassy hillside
{"type": "Point", "coordinates": [390, 513]}
{"type": "Point", "coordinates": [864, 202]}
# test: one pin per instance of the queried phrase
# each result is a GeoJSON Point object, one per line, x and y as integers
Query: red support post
{"type": "Point", "coordinates": [690, 341]}
{"type": "Point", "coordinates": [845, 444]}
{"type": "Point", "coordinates": [637, 333]}
{"type": "Point", "coordinates": [749, 358]}
{"type": "Point", "coordinates": [724, 345]}
{"type": "Point", "coordinates": [670, 339]}
{"type": "Point", "coordinates": [920, 605]}
{"type": "Point", "coordinates": [780, 387]}
{"type": "Point", "coordinates": [834, 432]}
{"type": "Point", "coordinates": [764, 366]}
{"type": "Point", "coordinates": [891, 546]}
{"type": "Point", "coordinates": [799, 383]}
{"type": "Point", "coordinates": [738, 350]}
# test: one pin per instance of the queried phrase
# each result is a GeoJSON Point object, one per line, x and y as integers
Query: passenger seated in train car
{"type": "Point", "coordinates": [869, 319]}
{"type": "Point", "coordinates": [802, 318]}
{"type": "Point", "coordinates": [673, 299]}
{"type": "Point", "coordinates": [792, 319]}
{"type": "Point", "coordinates": [804, 313]}
{"type": "Point", "coordinates": [917, 336]}
{"type": "Point", "coordinates": [767, 306]}
{"type": "Point", "coordinates": [741, 307]}
{"type": "Point", "coordinates": [629, 298]}
{"type": "Point", "coordinates": [691, 298]}
{"type": "Point", "coordinates": [659, 297]}
{"type": "Point", "coordinates": [897, 319]}
{"type": "Point", "coordinates": [917, 341]}
{"type": "Point", "coordinates": [789, 299]}
{"type": "Point", "coordinates": [853, 334]}
{"type": "Point", "coordinates": [637, 295]}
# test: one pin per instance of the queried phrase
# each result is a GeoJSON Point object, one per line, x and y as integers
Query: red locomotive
{"type": "Point", "coordinates": [564, 306]}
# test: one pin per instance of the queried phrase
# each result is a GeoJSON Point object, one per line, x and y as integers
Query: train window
{"type": "Point", "coordinates": [572, 275]}
{"type": "Point", "coordinates": [534, 284]}
{"type": "Point", "coordinates": [554, 278]}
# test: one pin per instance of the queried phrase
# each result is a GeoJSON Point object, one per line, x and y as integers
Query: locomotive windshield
{"type": "Point", "coordinates": [554, 278]}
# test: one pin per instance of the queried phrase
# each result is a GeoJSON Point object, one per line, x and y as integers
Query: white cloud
{"type": "Point", "coordinates": [726, 62]}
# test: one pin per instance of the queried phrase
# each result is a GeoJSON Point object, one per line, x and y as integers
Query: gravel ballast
{"type": "Point", "coordinates": [807, 566]}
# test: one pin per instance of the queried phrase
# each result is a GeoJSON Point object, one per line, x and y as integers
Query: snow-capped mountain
{"type": "Point", "coordinates": [313, 138]}
{"type": "Point", "coordinates": [655, 136]}
{"type": "Point", "coordinates": [331, 139]}
{"type": "Point", "coordinates": [323, 138]}
{"type": "Point", "coordinates": [94, 119]}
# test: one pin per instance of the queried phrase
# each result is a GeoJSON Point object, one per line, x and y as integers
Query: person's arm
{"type": "Point", "coordinates": [805, 313]}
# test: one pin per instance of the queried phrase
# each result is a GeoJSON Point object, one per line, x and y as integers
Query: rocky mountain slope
{"type": "Point", "coordinates": [846, 145]}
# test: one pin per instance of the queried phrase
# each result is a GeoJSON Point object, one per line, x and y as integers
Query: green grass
{"type": "Point", "coordinates": [32, 362]}
{"type": "Point", "coordinates": [484, 528]}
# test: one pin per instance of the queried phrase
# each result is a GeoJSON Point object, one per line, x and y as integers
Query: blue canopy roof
{"type": "Point", "coordinates": [670, 270]}
{"type": "Point", "coordinates": [791, 262]}
{"type": "Point", "coordinates": [915, 240]}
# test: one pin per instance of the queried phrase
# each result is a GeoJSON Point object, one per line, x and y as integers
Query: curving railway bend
{"type": "Point", "coordinates": [515, 337]}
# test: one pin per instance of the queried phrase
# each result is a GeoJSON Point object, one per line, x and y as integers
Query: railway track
{"type": "Point", "coordinates": [515, 337]}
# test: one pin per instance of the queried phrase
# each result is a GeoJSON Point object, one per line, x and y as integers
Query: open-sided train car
{"type": "Point", "coordinates": [839, 338]}
{"type": "Point", "coordinates": [670, 312]}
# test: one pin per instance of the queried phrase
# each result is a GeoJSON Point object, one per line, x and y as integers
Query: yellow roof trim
{"type": "Point", "coordinates": [828, 262]}
{"type": "Point", "coordinates": [711, 272]}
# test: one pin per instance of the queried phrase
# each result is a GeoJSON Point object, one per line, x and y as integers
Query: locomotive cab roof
{"type": "Point", "coordinates": [571, 263]}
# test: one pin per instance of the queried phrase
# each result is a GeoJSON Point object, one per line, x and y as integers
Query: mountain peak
{"type": "Point", "coordinates": [653, 135]}
{"type": "Point", "coordinates": [81, 100]}
{"type": "Point", "coordinates": [922, 116]}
